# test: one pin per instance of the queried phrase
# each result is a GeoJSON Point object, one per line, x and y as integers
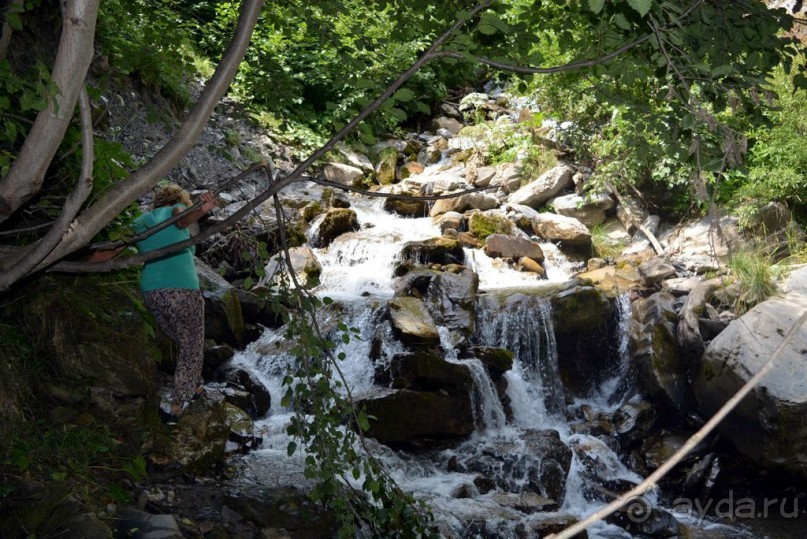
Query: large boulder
{"type": "Point", "coordinates": [306, 267]}
{"type": "Point", "coordinates": [451, 299]}
{"type": "Point", "coordinates": [461, 203]}
{"type": "Point", "coordinates": [767, 426]}
{"type": "Point", "coordinates": [539, 191]}
{"type": "Point", "coordinates": [703, 244]}
{"type": "Point", "coordinates": [580, 309]}
{"type": "Point", "coordinates": [483, 224]}
{"type": "Point", "coordinates": [343, 174]}
{"type": "Point", "coordinates": [555, 227]}
{"type": "Point", "coordinates": [419, 419]}
{"type": "Point", "coordinates": [611, 280]}
{"type": "Point", "coordinates": [433, 251]}
{"type": "Point", "coordinates": [425, 371]}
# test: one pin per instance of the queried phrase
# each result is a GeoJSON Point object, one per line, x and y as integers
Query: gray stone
{"type": "Point", "coordinates": [543, 188]}
{"type": "Point", "coordinates": [224, 319]}
{"type": "Point", "coordinates": [139, 524]}
{"type": "Point", "coordinates": [588, 209]}
{"type": "Point", "coordinates": [412, 321]}
{"type": "Point", "coordinates": [344, 174]}
{"type": "Point", "coordinates": [554, 227]}
{"type": "Point", "coordinates": [452, 125]}
{"type": "Point", "coordinates": [655, 270]}
{"type": "Point", "coordinates": [503, 246]}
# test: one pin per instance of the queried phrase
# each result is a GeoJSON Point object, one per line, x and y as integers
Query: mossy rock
{"type": "Point", "coordinates": [336, 222]}
{"type": "Point", "coordinates": [483, 224]}
{"type": "Point", "coordinates": [407, 208]}
{"type": "Point", "coordinates": [582, 309]}
{"type": "Point", "coordinates": [425, 371]}
{"type": "Point", "coordinates": [497, 361]}
{"type": "Point", "coordinates": [386, 165]}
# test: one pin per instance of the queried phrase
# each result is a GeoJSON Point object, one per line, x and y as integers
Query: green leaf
{"type": "Point", "coordinates": [622, 21]}
{"type": "Point", "coordinates": [641, 6]}
{"type": "Point", "coordinates": [364, 424]}
{"type": "Point", "coordinates": [14, 21]}
{"type": "Point", "coordinates": [291, 448]}
{"type": "Point", "coordinates": [247, 283]}
{"type": "Point", "coordinates": [596, 5]}
{"type": "Point", "coordinates": [404, 95]}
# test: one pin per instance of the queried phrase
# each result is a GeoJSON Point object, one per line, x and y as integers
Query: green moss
{"type": "Point", "coordinates": [482, 225]}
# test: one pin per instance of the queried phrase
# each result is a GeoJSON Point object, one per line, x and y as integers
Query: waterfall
{"type": "Point", "coordinates": [523, 324]}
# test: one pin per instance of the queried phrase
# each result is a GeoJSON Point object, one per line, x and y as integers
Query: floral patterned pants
{"type": "Point", "coordinates": [180, 314]}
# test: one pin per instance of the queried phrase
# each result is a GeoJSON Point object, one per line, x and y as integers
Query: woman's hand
{"type": "Point", "coordinates": [208, 202]}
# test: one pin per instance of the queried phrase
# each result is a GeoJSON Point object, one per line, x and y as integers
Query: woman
{"type": "Point", "coordinates": [171, 288]}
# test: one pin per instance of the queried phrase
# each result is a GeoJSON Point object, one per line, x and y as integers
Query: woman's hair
{"type": "Point", "coordinates": [168, 194]}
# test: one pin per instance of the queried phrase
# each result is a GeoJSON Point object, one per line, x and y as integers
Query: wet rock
{"type": "Point", "coordinates": [131, 522]}
{"type": "Point", "coordinates": [530, 265]}
{"type": "Point", "coordinates": [215, 357]}
{"type": "Point", "coordinates": [419, 419]}
{"type": "Point", "coordinates": [428, 372]}
{"type": "Point", "coordinates": [497, 361]}
{"type": "Point", "coordinates": [385, 166]}
{"type": "Point", "coordinates": [580, 309]}
{"type": "Point", "coordinates": [260, 400]}
{"type": "Point", "coordinates": [224, 320]}
{"type": "Point", "coordinates": [644, 521]}
{"type": "Point", "coordinates": [525, 502]}
{"type": "Point", "coordinates": [450, 124]}
{"type": "Point", "coordinates": [548, 525]}
{"type": "Point", "coordinates": [407, 208]}
{"type": "Point", "coordinates": [335, 223]}
{"type": "Point", "coordinates": [257, 310]}
{"type": "Point", "coordinates": [656, 353]}
{"type": "Point", "coordinates": [543, 188]}
{"type": "Point", "coordinates": [451, 299]}
{"type": "Point", "coordinates": [567, 230]}
{"type": "Point", "coordinates": [462, 203]}
{"type": "Point", "coordinates": [242, 429]}
{"type": "Point", "coordinates": [634, 421]}
{"type": "Point", "coordinates": [539, 462]}
{"type": "Point", "coordinates": [767, 427]}
{"type": "Point", "coordinates": [452, 219]}
{"type": "Point", "coordinates": [434, 251]}
{"type": "Point", "coordinates": [412, 321]}
{"type": "Point", "coordinates": [502, 246]}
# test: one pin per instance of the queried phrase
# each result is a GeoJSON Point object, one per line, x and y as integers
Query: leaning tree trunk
{"type": "Point", "coordinates": [25, 178]}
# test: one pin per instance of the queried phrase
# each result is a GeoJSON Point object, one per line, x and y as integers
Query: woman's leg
{"type": "Point", "coordinates": [180, 314]}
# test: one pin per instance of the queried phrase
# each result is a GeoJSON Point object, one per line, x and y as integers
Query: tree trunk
{"type": "Point", "coordinates": [25, 178]}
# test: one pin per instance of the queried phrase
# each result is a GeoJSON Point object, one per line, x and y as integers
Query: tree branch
{"type": "Point", "coordinates": [29, 258]}
{"type": "Point", "coordinates": [13, 6]}
{"type": "Point", "coordinates": [691, 443]}
{"type": "Point", "coordinates": [25, 178]}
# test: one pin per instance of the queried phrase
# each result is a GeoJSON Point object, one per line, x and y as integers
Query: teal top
{"type": "Point", "coordinates": [176, 270]}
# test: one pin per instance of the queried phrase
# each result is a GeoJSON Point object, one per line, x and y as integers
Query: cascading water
{"type": "Point", "coordinates": [357, 270]}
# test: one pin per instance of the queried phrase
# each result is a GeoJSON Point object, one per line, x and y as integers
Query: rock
{"type": "Point", "coordinates": [483, 224]}
{"type": "Point", "coordinates": [451, 299]}
{"type": "Point", "coordinates": [508, 177]}
{"type": "Point", "coordinates": [462, 203]}
{"type": "Point", "coordinates": [767, 427]}
{"type": "Point", "coordinates": [471, 102]}
{"type": "Point", "coordinates": [344, 174]}
{"type": "Point", "coordinates": [634, 421]}
{"type": "Point", "coordinates": [224, 321]}
{"type": "Point", "coordinates": [531, 266]}
{"type": "Point", "coordinates": [542, 189]}
{"type": "Point", "coordinates": [497, 361]}
{"type": "Point", "coordinates": [333, 224]}
{"type": "Point", "coordinates": [409, 169]}
{"type": "Point", "coordinates": [433, 251]}
{"type": "Point", "coordinates": [145, 525]}
{"type": "Point", "coordinates": [412, 321]}
{"type": "Point", "coordinates": [589, 210]}
{"type": "Point", "coordinates": [410, 419]}
{"type": "Point", "coordinates": [407, 208]}
{"type": "Point", "coordinates": [355, 159]}
{"type": "Point", "coordinates": [198, 439]}
{"type": "Point", "coordinates": [429, 155]}
{"type": "Point", "coordinates": [552, 523]}
{"type": "Point", "coordinates": [452, 219]}
{"type": "Point", "coordinates": [287, 508]}
{"type": "Point", "coordinates": [699, 247]}
{"type": "Point", "coordinates": [242, 429]}
{"type": "Point", "coordinates": [580, 309]}
{"type": "Point", "coordinates": [501, 246]}
{"type": "Point", "coordinates": [260, 399]}
{"type": "Point", "coordinates": [594, 264]}
{"type": "Point", "coordinates": [539, 462]}
{"type": "Point", "coordinates": [306, 268]}
{"type": "Point", "coordinates": [447, 109]}
{"type": "Point", "coordinates": [450, 124]}
{"type": "Point", "coordinates": [525, 502]}
{"type": "Point", "coordinates": [215, 356]}
{"type": "Point", "coordinates": [427, 372]}
{"type": "Point", "coordinates": [680, 286]}
{"type": "Point", "coordinates": [482, 176]}
{"type": "Point", "coordinates": [642, 520]}
{"type": "Point", "coordinates": [662, 369]}
{"type": "Point", "coordinates": [655, 270]}
{"type": "Point", "coordinates": [386, 164]}
{"type": "Point", "coordinates": [772, 217]}
{"type": "Point", "coordinates": [567, 230]}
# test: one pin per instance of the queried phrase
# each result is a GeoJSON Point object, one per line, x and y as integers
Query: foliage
{"type": "Point", "coordinates": [604, 247]}
{"type": "Point", "coordinates": [752, 267]}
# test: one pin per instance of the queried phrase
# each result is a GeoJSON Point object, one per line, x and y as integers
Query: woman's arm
{"type": "Point", "coordinates": [208, 203]}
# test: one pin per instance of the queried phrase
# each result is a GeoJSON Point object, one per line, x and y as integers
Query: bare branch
{"type": "Point", "coordinates": [25, 178]}
{"type": "Point", "coordinates": [29, 258]}
{"type": "Point", "coordinates": [652, 480]}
